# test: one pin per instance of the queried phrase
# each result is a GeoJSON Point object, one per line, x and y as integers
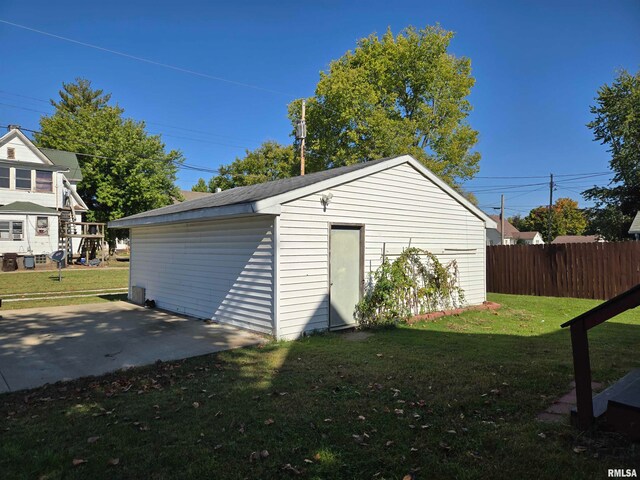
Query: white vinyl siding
{"type": "Point", "coordinates": [398, 207]}
{"type": "Point", "coordinates": [26, 239]}
{"type": "Point", "coordinates": [220, 270]}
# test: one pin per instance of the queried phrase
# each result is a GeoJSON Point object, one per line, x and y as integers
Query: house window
{"type": "Point", "coordinates": [23, 179]}
{"type": "Point", "coordinates": [41, 259]}
{"type": "Point", "coordinates": [42, 226]}
{"type": "Point", "coordinates": [44, 181]}
{"type": "Point", "coordinates": [5, 230]}
{"type": "Point", "coordinates": [11, 153]}
{"type": "Point", "coordinates": [4, 177]}
{"type": "Point", "coordinates": [16, 230]}
{"type": "Point", "coordinates": [11, 230]}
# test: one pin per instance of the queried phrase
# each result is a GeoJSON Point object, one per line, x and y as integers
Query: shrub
{"type": "Point", "coordinates": [416, 282]}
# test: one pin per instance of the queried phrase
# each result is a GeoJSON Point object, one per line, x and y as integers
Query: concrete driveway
{"type": "Point", "coordinates": [46, 345]}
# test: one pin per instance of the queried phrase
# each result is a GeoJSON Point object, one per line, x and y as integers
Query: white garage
{"type": "Point", "coordinates": [292, 256]}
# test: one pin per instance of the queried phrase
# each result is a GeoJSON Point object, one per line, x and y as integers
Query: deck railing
{"type": "Point", "coordinates": [85, 230]}
{"type": "Point", "coordinates": [579, 327]}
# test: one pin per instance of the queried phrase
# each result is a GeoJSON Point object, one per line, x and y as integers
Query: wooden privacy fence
{"type": "Point", "coordinates": [579, 270]}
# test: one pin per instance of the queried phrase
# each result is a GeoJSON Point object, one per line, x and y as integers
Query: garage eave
{"type": "Point", "coordinates": [188, 216]}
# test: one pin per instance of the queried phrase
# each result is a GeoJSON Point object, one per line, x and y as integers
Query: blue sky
{"type": "Point", "coordinates": [537, 66]}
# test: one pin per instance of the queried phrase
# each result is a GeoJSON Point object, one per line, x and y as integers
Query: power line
{"type": "Point", "coordinates": [586, 174]}
{"type": "Point", "coordinates": [499, 188]}
{"type": "Point", "coordinates": [179, 165]}
{"type": "Point", "coordinates": [147, 122]}
{"type": "Point", "coordinates": [146, 60]}
{"type": "Point", "coordinates": [25, 96]}
{"type": "Point", "coordinates": [24, 108]}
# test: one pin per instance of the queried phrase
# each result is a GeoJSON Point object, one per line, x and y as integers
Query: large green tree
{"type": "Point", "coordinates": [617, 125]}
{"type": "Point", "coordinates": [394, 95]}
{"type": "Point", "coordinates": [566, 219]}
{"type": "Point", "coordinates": [125, 169]}
{"type": "Point", "coordinates": [200, 186]}
{"type": "Point", "coordinates": [270, 161]}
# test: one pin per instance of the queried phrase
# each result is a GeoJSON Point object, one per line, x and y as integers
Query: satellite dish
{"type": "Point", "coordinates": [58, 256]}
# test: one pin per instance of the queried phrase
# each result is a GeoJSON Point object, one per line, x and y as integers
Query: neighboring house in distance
{"type": "Point", "coordinates": [292, 256]}
{"type": "Point", "coordinates": [123, 244]}
{"type": "Point", "coordinates": [577, 239]}
{"type": "Point", "coordinates": [190, 195]}
{"type": "Point", "coordinates": [635, 226]}
{"type": "Point", "coordinates": [37, 190]}
{"type": "Point", "coordinates": [512, 235]}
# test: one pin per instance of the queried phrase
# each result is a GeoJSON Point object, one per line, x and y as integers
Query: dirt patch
{"type": "Point", "coordinates": [356, 336]}
{"type": "Point", "coordinates": [454, 311]}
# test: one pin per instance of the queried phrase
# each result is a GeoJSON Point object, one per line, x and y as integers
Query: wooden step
{"type": "Point", "coordinates": [619, 406]}
{"type": "Point", "coordinates": [621, 391]}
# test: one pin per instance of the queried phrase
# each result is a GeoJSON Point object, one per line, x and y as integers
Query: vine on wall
{"type": "Point", "coordinates": [414, 283]}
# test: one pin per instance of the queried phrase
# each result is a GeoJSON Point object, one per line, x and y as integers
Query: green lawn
{"type": "Point", "coordinates": [44, 288]}
{"type": "Point", "coordinates": [452, 398]}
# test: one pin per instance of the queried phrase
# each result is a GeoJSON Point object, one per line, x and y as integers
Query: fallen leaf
{"type": "Point", "coordinates": [113, 461]}
{"type": "Point", "coordinates": [452, 431]}
{"type": "Point", "coordinates": [579, 449]}
{"type": "Point", "coordinates": [444, 446]}
{"type": "Point", "coordinates": [389, 443]}
{"type": "Point", "coordinates": [254, 456]}
{"type": "Point", "coordinates": [316, 456]}
{"type": "Point", "coordinates": [196, 404]}
{"type": "Point", "coordinates": [409, 476]}
{"type": "Point", "coordinates": [269, 421]}
{"type": "Point", "coordinates": [291, 469]}
{"type": "Point", "coordinates": [361, 418]}
{"type": "Point", "coordinates": [306, 460]}
{"type": "Point", "coordinates": [542, 435]}
{"type": "Point", "coordinates": [93, 439]}
{"type": "Point", "coordinates": [379, 355]}
{"type": "Point", "coordinates": [78, 461]}
{"type": "Point", "coordinates": [399, 411]}
{"type": "Point", "coordinates": [264, 453]}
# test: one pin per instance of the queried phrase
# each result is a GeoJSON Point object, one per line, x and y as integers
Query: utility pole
{"type": "Point", "coordinates": [550, 219]}
{"type": "Point", "coordinates": [502, 219]}
{"type": "Point", "coordinates": [301, 134]}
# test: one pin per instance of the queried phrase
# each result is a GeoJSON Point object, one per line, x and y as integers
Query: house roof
{"type": "Point", "coordinates": [27, 207]}
{"type": "Point", "coordinates": [509, 230]}
{"type": "Point", "coordinates": [635, 225]}
{"type": "Point", "coordinates": [65, 159]}
{"type": "Point", "coordinates": [527, 235]}
{"type": "Point", "coordinates": [190, 195]}
{"type": "Point", "coordinates": [576, 239]}
{"type": "Point", "coordinates": [266, 198]}
{"type": "Point", "coordinates": [16, 133]}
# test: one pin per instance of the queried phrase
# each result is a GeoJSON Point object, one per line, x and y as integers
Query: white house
{"type": "Point", "coordinates": [292, 256]}
{"type": "Point", "coordinates": [512, 235]}
{"type": "Point", "coordinates": [37, 186]}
